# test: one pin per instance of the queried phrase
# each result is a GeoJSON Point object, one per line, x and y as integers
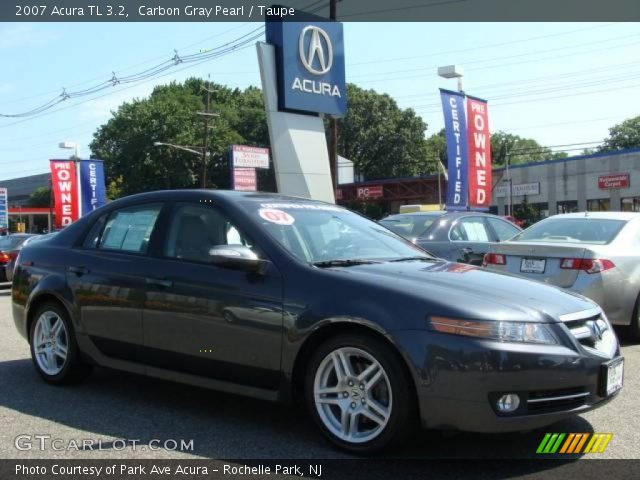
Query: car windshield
{"type": "Point", "coordinates": [319, 233]}
{"type": "Point", "coordinates": [572, 230]}
{"type": "Point", "coordinates": [11, 242]}
{"type": "Point", "coordinates": [410, 225]}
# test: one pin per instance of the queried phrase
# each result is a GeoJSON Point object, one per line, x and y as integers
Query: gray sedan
{"type": "Point", "coordinates": [596, 254]}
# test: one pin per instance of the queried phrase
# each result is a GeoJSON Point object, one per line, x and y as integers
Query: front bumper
{"type": "Point", "coordinates": [459, 379]}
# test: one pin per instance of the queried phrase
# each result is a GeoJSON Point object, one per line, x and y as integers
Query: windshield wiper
{"type": "Point", "coordinates": [408, 259]}
{"type": "Point", "coordinates": [344, 263]}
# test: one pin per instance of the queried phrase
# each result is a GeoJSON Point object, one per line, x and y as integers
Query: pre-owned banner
{"type": "Point", "coordinates": [92, 188]}
{"type": "Point", "coordinates": [65, 191]}
{"type": "Point", "coordinates": [479, 153]}
{"type": "Point", "coordinates": [456, 134]}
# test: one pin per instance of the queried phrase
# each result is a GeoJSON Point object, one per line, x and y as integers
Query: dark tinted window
{"type": "Point", "coordinates": [572, 230]}
{"type": "Point", "coordinates": [129, 229]}
{"type": "Point", "coordinates": [195, 229]}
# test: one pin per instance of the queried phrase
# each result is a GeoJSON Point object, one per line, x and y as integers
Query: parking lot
{"type": "Point", "coordinates": [112, 406]}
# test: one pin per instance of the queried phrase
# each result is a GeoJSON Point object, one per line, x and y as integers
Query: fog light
{"type": "Point", "coordinates": [508, 403]}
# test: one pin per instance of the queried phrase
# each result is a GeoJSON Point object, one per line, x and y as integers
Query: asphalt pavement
{"type": "Point", "coordinates": [113, 407]}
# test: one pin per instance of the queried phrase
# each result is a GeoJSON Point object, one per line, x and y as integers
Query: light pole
{"type": "Point", "coordinates": [452, 71]}
{"type": "Point", "coordinates": [70, 146]}
{"type": "Point", "coordinates": [179, 147]}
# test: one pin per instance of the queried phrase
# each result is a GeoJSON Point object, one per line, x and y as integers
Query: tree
{"type": "Point", "coordinates": [382, 139]}
{"type": "Point", "coordinates": [126, 142]}
{"type": "Point", "coordinates": [623, 136]}
{"type": "Point", "coordinates": [40, 197]}
{"type": "Point", "coordinates": [519, 150]}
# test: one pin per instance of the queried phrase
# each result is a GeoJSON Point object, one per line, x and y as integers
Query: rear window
{"type": "Point", "coordinates": [10, 243]}
{"type": "Point", "coordinates": [572, 230]}
{"type": "Point", "coordinates": [409, 225]}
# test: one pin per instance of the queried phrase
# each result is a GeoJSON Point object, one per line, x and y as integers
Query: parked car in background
{"type": "Point", "coordinates": [283, 298]}
{"type": "Point", "coordinates": [455, 236]}
{"type": "Point", "coordinates": [10, 245]}
{"type": "Point", "coordinates": [29, 241]}
{"type": "Point", "coordinates": [596, 254]}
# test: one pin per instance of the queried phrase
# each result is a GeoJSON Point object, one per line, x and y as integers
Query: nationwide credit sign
{"type": "Point", "coordinates": [310, 66]}
{"type": "Point", "coordinates": [615, 181]}
{"type": "Point", "coordinates": [456, 134]}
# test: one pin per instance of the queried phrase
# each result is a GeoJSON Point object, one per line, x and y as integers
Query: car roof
{"type": "Point", "coordinates": [600, 215]}
{"type": "Point", "coordinates": [456, 213]}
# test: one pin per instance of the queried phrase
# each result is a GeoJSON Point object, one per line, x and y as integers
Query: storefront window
{"type": "Point", "coordinates": [631, 204]}
{"type": "Point", "coordinates": [570, 206]}
{"type": "Point", "coordinates": [599, 205]}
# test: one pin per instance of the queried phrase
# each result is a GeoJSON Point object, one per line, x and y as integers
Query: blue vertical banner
{"type": "Point", "coordinates": [92, 187]}
{"type": "Point", "coordinates": [455, 124]}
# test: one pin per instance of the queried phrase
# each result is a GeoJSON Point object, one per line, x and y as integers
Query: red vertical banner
{"type": "Point", "coordinates": [479, 152]}
{"type": "Point", "coordinates": [65, 191]}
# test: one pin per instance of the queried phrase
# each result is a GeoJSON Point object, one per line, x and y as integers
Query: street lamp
{"type": "Point", "coordinates": [452, 71]}
{"type": "Point", "coordinates": [70, 146]}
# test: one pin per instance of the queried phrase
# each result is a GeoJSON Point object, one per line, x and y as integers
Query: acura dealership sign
{"type": "Point", "coordinates": [310, 63]}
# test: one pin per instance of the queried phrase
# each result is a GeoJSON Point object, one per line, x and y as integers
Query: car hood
{"type": "Point", "coordinates": [470, 292]}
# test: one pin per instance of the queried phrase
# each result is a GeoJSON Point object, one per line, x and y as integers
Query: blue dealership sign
{"type": "Point", "coordinates": [92, 185]}
{"type": "Point", "coordinates": [310, 64]}
{"type": "Point", "coordinates": [455, 124]}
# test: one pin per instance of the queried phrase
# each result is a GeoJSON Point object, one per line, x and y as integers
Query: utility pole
{"type": "Point", "coordinates": [333, 123]}
{"type": "Point", "coordinates": [205, 144]}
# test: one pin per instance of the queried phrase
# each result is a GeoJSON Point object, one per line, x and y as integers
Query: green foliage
{"type": "Point", "coordinates": [126, 142]}
{"type": "Point", "coordinates": [40, 197]}
{"type": "Point", "coordinates": [519, 150]}
{"type": "Point", "coordinates": [623, 136]}
{"type": "Point", "coordinates": [382, 139]}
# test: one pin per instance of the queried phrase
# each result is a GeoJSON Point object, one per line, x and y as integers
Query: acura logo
{"type": "Point", "coordinates": [317, 57]}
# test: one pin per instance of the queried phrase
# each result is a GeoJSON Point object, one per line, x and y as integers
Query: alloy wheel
{"type": "Point", "coordinates": [353, 395]}
{"type": "Point", "coordinates": [50, 343]}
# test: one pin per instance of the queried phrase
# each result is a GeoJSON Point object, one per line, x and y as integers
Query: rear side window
{"type": "Point", "coordinates": [572, 230]}
{"type": "Point", "coordinates": [129, 229]}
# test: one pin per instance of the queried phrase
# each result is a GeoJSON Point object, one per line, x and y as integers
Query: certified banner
{"type": "Point", "coordinates": [456, 134]}
{"type": "Point", "coordinates": [92, 188]}
{"type": "Point", "coordinates": [479, 153]}
{"type": "Point", "coordinates": [65, 191]}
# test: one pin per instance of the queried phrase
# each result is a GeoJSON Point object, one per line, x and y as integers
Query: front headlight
{"type": "Point", "coordinates": [520, 332]}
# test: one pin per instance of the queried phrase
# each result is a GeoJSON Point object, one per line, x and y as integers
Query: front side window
{"type": "Point", "coordinates": [129, 229]}
{"type": "Point", "coordinates": [469, 229]}
{"type": "Point", "coordinates": [195, 229]}
{"type": "Point", "coordinates": [504, 230]}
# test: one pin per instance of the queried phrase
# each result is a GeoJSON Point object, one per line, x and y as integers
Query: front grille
{"type": "Point", "coordinates": [556, 400]}
{"type": "Point", "coordinates": [592, 330]}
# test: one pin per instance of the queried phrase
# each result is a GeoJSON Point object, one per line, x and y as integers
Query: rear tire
{"type": "Point", "coordinates": [360, 394]}
{"type": "Point", "coordinates": [54, 350]}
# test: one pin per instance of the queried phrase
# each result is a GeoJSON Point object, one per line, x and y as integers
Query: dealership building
{"type": "Point", "coordinates": [597, 182]}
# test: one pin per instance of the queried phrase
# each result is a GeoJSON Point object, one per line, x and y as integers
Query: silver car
{"type": "Point", "coordinates": [596, 254]}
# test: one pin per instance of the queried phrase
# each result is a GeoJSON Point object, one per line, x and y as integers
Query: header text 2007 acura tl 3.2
{"type": "Point", "coordinates": [280, 298]}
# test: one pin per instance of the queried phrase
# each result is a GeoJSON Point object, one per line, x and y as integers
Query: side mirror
{"type": "Point", "coordinates": [237, 257]}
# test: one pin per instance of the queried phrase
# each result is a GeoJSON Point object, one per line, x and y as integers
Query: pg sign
{"type": "Point", "coordinates": [310, 64]}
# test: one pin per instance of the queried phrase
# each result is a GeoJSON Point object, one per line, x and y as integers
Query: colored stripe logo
{"type": "Point", "coordinates": [574, 443]}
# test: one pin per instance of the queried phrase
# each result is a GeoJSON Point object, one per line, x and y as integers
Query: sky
{"type": "Point", "coordinates": [563, 84]}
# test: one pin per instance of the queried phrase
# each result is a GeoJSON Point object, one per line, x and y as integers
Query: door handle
{"type": "Point", "coordinates": [467, 250]}
{"type": "Point", "coordinates": [79, 271]}
{"type": "Point", "coordinates": [159, 282]}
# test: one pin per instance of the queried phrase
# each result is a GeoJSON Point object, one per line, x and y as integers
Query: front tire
{"type": "Point", "coordinates": [54, 350]}
{"type": "Point", "coordinates": [359, 394]}
{"type": "Point", "coordinates": [634, 327]}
